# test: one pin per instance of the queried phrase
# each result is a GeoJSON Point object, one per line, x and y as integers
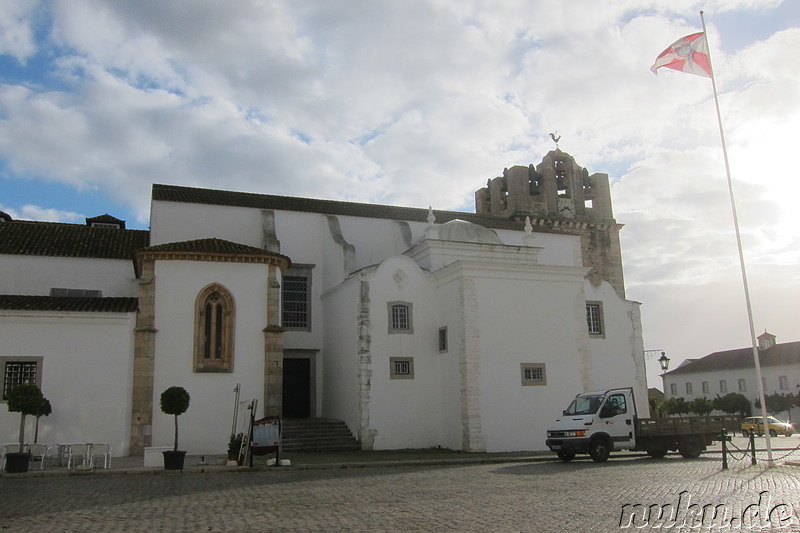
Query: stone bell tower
{"type": "Point", "coordinates": [560, 196]}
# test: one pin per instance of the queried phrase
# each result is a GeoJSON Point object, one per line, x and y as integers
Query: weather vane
{"type": "Point", "coordinates": [556, 137]}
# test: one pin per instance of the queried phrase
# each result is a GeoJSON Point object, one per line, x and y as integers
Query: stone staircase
{"type": "Point", "coordinates": [317, 435]}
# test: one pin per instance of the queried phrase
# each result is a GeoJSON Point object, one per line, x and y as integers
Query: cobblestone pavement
{"type": "Point", "coordinates": [538, 496]}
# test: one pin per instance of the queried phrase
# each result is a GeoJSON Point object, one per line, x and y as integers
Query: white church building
{"type": "Point", "coordinates": [418, 328]}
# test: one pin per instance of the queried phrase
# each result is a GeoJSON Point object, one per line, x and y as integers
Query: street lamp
{"type": "Point", "coordinates": [663, 361]}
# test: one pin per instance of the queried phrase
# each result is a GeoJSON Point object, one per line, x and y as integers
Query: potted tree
{"type": "Point", "coordinates": [26, 399]}
{"type": "Point", "coordinates": [174, 401]}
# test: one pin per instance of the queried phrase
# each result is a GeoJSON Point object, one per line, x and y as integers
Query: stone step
{"type": "Point", "coordinates": [317, 434]}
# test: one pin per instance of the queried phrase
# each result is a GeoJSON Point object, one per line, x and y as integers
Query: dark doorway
{"type": "Point", "coordinates": [296, 388]}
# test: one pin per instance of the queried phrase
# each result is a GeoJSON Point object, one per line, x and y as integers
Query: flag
{"type": "Point", "coordinates": [687, 54]}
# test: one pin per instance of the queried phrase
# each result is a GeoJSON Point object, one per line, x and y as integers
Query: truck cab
{"type": "Point", "coordinates": [596, 423]}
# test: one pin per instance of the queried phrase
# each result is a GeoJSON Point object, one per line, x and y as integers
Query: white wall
{"type": "Point", "coordinates": [36, 275]}
{"type": "Point", "coordinates": [205, 427]}
{"type": "Point", "coordinates": [86, 374]}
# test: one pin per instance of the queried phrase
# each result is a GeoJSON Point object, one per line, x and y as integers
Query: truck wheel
{"type": "Point", "coordinates": [599, 450]}
{"type": "Point", "coordinates": [566, 456]}
{"type": "Point", "coordinates": [773, 433]}
{"type": "Point", "coordinates": [745, 433]}
{"type": "Point", "coordinates": [657, 453]}
{"type": "Point", "coordinates": [690, 447]}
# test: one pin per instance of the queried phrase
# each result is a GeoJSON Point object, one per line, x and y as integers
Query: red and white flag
{"type": "Point", "coordinates": [687, 54]}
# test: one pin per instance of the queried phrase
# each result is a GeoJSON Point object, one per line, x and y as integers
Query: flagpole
{"type": "Point", "coordinates": [741, 255]}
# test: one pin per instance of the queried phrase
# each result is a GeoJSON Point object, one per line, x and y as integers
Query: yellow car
{"type": "Point", "coordinates": [755, 424]}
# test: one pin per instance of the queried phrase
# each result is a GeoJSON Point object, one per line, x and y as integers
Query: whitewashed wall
{"type": "Point", "coordinates": [205, 427]}
{"type": "Point", "coordinates": [86, 374]}
{"type": "Point", "coordinates": [36, 275]}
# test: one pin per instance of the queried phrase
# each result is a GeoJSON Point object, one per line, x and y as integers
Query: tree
{"type": "Point", "coordinates": [26, 399]}
{"type": "Point", "coordinates": [175, 401]}
{"type": "Point", "coordinates": [701, 406]}
{"type": "Point", "coordinates": [777, 403]}
{"type": "Point", "coordinates": [44, 410]}
{"type": "Point", "coordinates": [675, 406]}
{"type": "Point", "coordinates": [733, 402]}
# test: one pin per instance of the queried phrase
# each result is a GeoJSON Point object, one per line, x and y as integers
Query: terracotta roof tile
{"type": "Point", "coordinates": [24, 237]}
{"type": "Point", "coordinates": [17, 302]}
{"type": "Point", "coordinates": [211, 246]}
{"type": "Point", "coordinates": [787, 353]}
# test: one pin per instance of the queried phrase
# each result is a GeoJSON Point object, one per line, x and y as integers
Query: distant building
{"type": "Point", "coordinates": [720, 373]}
{"type": "Point", "coordinates": [416, 327]}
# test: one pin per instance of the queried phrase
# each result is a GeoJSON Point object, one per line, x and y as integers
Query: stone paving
{"type": "Point", "coordinates": [635, 492]}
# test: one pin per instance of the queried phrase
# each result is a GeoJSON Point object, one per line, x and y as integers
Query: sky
{"type": "Point", "coordinates": [417, 103]}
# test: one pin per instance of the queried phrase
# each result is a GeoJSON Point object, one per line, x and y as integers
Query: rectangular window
{"type": "Point", "coordinates": [673, 389]}
{"type": "Point", "coordinates": [705, 387]}
{"type": "Point", "coordinates": [401, 368]}
{"type": "Point", "coordinates": [296, 299]}
{"type": "Point", "coordinates": [17, 370]}
{"type": "Point", "coordinates": [443, 339]}
{"type": "Point", "coordinates": [783, 382]}
{"type": "Point", "coordinates": [533, 374]}
{"type": "Point", "coordinates": [401, 317]}
{"type": "Point", "coordinates": [723, 386]}
{"type": "Point", "coordinates": [594, 318]}
{"type": "Point", "coordinates": [688, 388]}
{"type": "Point", "coordinates": [742, 385]}
{"type": "Point", "coordinates": [76, 293]}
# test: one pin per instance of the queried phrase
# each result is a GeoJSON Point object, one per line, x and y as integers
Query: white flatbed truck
{"type": "Point", "coordinates": [603, 421]}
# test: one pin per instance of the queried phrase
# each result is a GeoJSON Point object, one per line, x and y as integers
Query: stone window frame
{"type": "Point", "coordinates": [783, 383]}
{"type": "Point", "coordinates": [5, 360]}
{"type": "Point", "coordinates": [723, 385]}
{"type": "Point", "coordinates": [401, 368]}
{"type": "Point", "coordinates": [394, 326]}
{"type": "Point", "coordinates": [689, 387]}
{"type": "Point", "coordinates": [533, 374]}
{"type": "Point", "coordinates": [220, 327]}
{"type": "Point", "coordinates": [705, 387]}
{"type": "Point", "coordinates": [673, 389]}
{"type": "Point", "coordinates": [742, 385]}
{"type": "Point", "coordinates": [298, 271]}
{"type": "Point", "coordinates": [443, 339]}
{"type": "Point", "coordinates": [595, 324]}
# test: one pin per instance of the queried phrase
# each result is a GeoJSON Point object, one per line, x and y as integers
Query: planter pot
{"type": "Point", "coordinates": [174, 460]}
{"type": "Point", "coordinates": [17, 463]}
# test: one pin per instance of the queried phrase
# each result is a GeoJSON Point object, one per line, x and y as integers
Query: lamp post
{"type": "Point", "coordinates": [663, 362]}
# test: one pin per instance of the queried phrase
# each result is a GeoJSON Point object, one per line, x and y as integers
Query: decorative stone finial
{"type": "Point", "coordinates": [528, 227]}
{"type": "Point", "coordinates": [431, 218]}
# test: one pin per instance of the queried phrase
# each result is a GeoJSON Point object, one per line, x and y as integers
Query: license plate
{"type": "Point", "coordinates": [555, 447]}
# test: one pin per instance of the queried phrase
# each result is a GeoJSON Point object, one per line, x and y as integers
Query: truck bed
{"type": "Point", "coordinates": [687, 425]}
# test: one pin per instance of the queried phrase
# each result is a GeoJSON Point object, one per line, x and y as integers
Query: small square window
{"type": "Point", "coordinates": [533, 374]}
{"type": "Point", "coordinates": [443, 339]}
{"type": "Point", "coordinates": [401, 368]}
{"type": "Point", "coordinates": [17, 370]}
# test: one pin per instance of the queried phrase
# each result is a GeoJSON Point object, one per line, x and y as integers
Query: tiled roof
{"type": "Point", "coordinates": [209, 246]}
{"type": "Point", "coordinates": [24, 237]}
{"type": "Point", "coordinates": [17, 302]}
{"type": "Point", "coordinates": [175, 193]}
{"type": "Point", "coordinates": [787, 353]}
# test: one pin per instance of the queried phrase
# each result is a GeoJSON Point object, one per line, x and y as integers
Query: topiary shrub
{"type": "Point", "coordinates": [175, 401]}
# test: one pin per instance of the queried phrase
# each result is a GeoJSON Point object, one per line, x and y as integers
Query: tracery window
{"type": "Point", "coordinates": [214, 328]}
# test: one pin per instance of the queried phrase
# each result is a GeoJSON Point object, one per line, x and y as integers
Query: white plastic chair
{"type": "Point", "coordinates": [40, 452]}
{"type": "Point", "coordinates": [100, 450]}
{"type": "Point", "coordinates": [77, 452]}
{"type": "Point", "coordinates": [7, 448]}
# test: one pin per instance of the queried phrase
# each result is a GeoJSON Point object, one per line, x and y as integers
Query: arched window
{"type": "Point", "coordinates": [215, 314]}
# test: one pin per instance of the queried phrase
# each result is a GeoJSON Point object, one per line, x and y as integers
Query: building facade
{"type": "Point", "coordinates": [416, 327]}
{"type": "Point", "coordinates": [724, 372]}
